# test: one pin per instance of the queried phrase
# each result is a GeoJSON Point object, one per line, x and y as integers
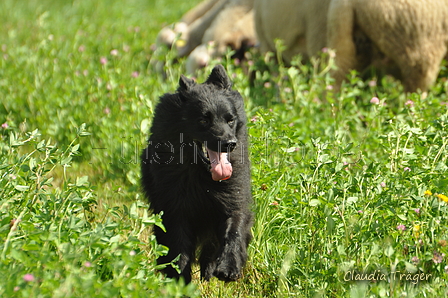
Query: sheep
{"type": "Point", "coordinates": [233, 28]}
{"type": "Point", "coordinates": [300, 24]}
{"type": "Point", "coordinates": [406, 38]}
{"type": "Point", "coordinates": [193, 23]}
{"type": "Point", "coordinates": [209, 29]}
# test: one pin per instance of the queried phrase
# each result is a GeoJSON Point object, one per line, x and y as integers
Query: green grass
{"type": "Point", "coordinates": [342, 184]}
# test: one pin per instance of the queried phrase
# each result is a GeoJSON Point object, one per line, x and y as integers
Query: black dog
{"type": "Point", "coordinates": [196, 171]}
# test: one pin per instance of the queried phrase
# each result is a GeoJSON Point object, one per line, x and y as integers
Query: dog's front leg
{"type": "Point", "coordinates": [235, 239]}
{"type": "Point", "coordinates": [178, 240]}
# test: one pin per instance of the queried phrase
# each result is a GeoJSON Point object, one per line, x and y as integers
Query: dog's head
{"type": "Point", "coordinates": [212, 115]}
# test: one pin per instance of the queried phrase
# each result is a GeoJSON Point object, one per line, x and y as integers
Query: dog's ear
{"type": "Point", "coordinates": [219, 78]}
{"type": "Point", "coordinates": [185, 84]}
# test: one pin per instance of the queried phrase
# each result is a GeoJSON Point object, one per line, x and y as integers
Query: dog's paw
{"type": "Point", "coordinates": [208, 272]}
{"type": "Point", "coordinates": [227, 272]}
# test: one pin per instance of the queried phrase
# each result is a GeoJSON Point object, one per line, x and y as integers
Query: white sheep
{"type": "Point", "coordinates": [407, 38]}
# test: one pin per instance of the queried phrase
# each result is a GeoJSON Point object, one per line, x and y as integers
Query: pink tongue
{"type": "Point", "coordinates": [221, 167]}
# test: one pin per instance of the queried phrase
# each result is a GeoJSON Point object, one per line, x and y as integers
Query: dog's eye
{"type": "Point", "coordinates": [230, 122]}
{"type": "Point", "coordinates": [203, 121]}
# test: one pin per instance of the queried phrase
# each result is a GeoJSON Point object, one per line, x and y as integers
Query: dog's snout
{"type": "Point", "coordinates": [230, 145]}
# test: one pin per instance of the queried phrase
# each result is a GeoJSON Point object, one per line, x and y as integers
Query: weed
{"type": "Point", "coordinates": [350, 189]}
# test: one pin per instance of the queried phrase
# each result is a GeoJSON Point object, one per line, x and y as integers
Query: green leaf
{"type": "Point", "coordinates": [81, 131]}
{"type": "Point", "coordinates": [31, 247]}
{"type": "Point", "coordinates": [389, 251]}
{"type": "Point", "coordinates": [80, 181]}
{"type": "Point", "coordinates": [22, 187]}
{"type": "Point", "coordinates": [290, 150]}
{"type": "Point", "coordinates": [330, 225]}
{"type": "Point", "coordinates": [293, 72]}
{"type": "Point", "coordinates": [40, 145]}
{"type": "Point", "coordinates": [145, 125]}
{"type": "Point", "coordinates": [314, 202]}
{"type": "Point", "coordinates": [32, 163]}
{"type": "Point", "coordinates": [339, 166]}
{"type": "Point", "coordinates": [115, 239]}
{"type": "Point", "coordinates": [74, 148]}
{"type": "Point", "coordinates": [19, 255]}
{"type": "Point", "coordinates": [410, 267]}
{"type": "Point", "coordinates": [66, 160]}
{"type": "Point", "coordinates": [348, 147]}
{"type": "Point", "coordinates": [25, 168]}
{"type": "Point", "coordinates": [402, 216]}
{"type": "Point", "coordinates": [352, 200]}
{"type": "Point", "coordinates": [324, 158]}
{"type": "Point", "coordinates": [133, 211]}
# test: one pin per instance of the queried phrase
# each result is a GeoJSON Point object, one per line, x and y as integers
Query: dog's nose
{"type": "Point", "coordinates": [229, 145]}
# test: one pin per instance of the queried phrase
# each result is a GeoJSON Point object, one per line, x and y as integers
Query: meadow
{"type": "Point", "coordinates": [350, 188]}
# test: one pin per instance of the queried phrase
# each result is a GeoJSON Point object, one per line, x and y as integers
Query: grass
{"type": "Point", "coordinates": [344, 184]}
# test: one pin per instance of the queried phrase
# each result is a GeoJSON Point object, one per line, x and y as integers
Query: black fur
{"type": "Point", "coordinates": [199, 212]}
